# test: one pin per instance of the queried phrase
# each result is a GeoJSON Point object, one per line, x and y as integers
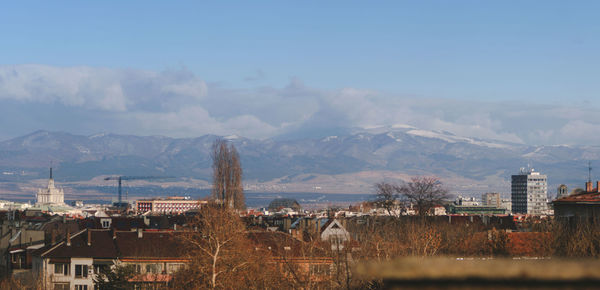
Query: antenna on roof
{"type": "Point", "coordinates": [590, 171]}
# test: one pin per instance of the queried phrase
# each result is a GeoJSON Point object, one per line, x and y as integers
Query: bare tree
{"type": "Point", "coordinates": [222, 257]}
{"type": "Point", "coordinates": [424, 193]}
{"type": "Point", "coordinates": [227, 175]}
{"type": "Point", "coordinates": [386, 196]}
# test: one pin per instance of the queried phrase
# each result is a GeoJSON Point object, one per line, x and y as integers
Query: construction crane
{"type": "Point", "coordinates": [121, 178]}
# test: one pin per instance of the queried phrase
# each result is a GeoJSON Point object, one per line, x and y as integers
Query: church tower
{"type": "Point", "coordinates": [50, 195]}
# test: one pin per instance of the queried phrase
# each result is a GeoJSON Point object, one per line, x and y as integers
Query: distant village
{"type": "Point", "coordinates": [66, 246]}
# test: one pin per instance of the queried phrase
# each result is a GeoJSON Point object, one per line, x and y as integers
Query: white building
{"type": "Point", "coordinates": [50, 195]}
{"type": "Point", "coordinates": [529, 193]}
{"type": "Point", "coordinates": [466, 201]}
{"type": "Point", "coordinates": [74, 263]}
{"type": "Point", "coordinates": [170, 205]}
{"type": "Point", "coordinates": [333, 232]}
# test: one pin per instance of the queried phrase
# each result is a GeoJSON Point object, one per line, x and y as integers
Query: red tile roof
{"type": "Point", "coordinates": [593, 196]}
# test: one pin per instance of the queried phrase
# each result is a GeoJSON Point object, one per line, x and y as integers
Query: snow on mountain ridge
{"type": "Point", "coordinates": [453, 138]}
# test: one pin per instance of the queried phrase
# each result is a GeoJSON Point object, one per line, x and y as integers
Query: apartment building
{"type": "Point", "coordinates": [529, 192]}
{"type": "Point", "coordinates": [73, 263]}
{"type": "Point", "coordinates": [169, 205]}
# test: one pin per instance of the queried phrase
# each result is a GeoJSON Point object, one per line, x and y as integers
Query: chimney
{"type": "Point", "coordinates": [588, 186]}
{"type": "Point", "coordinates": [317, 228]}
{"type": "Point", "coordinates": [140, 233]}
{"type": "Point", "coordinates": [53, 237]}
{"type": "Point", "coordinates": [68, 237]}
{"type": "Point", "coordinates": [597, 186]}
{"type": "Point", "coordinates": [89, 234]}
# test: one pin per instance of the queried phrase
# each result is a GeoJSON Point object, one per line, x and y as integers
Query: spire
{"type": "Point", "coordinates": [50, 172]}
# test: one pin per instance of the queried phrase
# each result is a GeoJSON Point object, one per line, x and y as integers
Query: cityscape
{"type": "Point", "coordinates": [308, 145]}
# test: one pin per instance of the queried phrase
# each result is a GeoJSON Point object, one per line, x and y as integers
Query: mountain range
{"type": "Point", "coordinates": [348, 163]}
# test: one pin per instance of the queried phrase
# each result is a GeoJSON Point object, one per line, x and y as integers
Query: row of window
{"type": "Point", "coordinates": [81, 271]}
{"type": "Point", "coordinates": [67, 286]}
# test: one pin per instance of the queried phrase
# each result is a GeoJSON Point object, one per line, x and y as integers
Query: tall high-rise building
{"type": "Point", "coordinates": [529, 192]}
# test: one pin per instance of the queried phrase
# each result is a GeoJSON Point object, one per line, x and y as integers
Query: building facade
{"type": "Point", "coordinates": [74, 263]}
{"type": "Point", "coordinates": [562, 191]}
{"type": "Point", "coordinates": [170, 205]}
{"type": "Point", "coordinates": [529, 193]}
{"type": "Point", "coordinates": [584, 205]}
{"type": "Point", "coordinates": [491, 199]}
{"type": "Point", "coordinates": [50, 195]}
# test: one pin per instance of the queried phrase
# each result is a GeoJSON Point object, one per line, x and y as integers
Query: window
{"type": "Point", "coordinates": [81, 271]}
{"type": "Point", "coordinates": [174, 267]}
{"type": "Point", "coordinates": [320, 269]}
{"type": "Point", "coordinates": [100, 268]}
{"type": "Point", "coordinates": [105, 223]}
{"type": "Point", "coordinates": [61, 269]}
{"type": "Point", "coordinates": [61, 286]}
{"type": "Point", "coordinates": [81, 287]}
{"type": "Point", "coordinates": [152, 268]}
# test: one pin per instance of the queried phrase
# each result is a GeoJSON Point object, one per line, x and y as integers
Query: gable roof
{"type": "Point", "coordinates": [332, 224]}
{"type": "Point", "coordinates": [102, 246]}
{"type": "Point", "coordinates": [127, 244]}
{"type": "Point", "coordinates": [282, 244]}
{"type": "Point", "coordinates": [152, 244]}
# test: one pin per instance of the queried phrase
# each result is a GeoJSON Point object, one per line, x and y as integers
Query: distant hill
{"type": "Point", "coordinates": [347, 163]}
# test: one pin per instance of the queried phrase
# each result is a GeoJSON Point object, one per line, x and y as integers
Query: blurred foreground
{"type": "Point", "coordinates": [472, 273]}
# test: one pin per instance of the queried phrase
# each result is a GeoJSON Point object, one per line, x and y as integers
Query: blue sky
{"type": "Point", "coordinates": [543, 53]}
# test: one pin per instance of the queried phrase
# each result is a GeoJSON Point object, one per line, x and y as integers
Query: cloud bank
{"type": "Point", "coordinates": [180, 104]}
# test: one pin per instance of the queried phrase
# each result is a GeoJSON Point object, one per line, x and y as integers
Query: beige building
{"type": "Point", "coordinates": [170, 205]}
{"type": "Point", "coordinates": [50, 195]}
{"type": "Point", "coordinates": [491, 199]}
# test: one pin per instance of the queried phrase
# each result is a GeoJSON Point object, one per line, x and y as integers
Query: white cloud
{"type": "Point", "coordinates": [581, 131]}
{"type": "Point", "coordinates": [178, 103]}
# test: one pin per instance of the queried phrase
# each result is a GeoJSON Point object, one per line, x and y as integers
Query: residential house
{"type": "Point", "coordinates": [74, 263]}
{"type": "Point", "coordinates": [580, 205]}
{"type": "Point", "coordinates": [307, 261]}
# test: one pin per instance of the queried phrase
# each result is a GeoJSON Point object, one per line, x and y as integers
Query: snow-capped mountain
{"type": "Point", "coordinates": [398, 149]}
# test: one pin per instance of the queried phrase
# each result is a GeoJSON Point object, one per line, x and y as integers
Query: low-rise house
{"type": "Point", "coordinates": [71, 264]}
{"type": "Point", "coordinates": [75, 262]}
{"type": "Point", "coordinates": [335, 233]}
{"type": "Point", "coordinates": [155, 254]}
{"type": "Point", "coordinates": [297, 259]}
{"type": "Point", "coordinates": [579, 205]}
{"type": "Point", "coordinates": [22, 233]}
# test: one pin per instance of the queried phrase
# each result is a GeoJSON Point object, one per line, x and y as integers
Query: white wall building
{"type": "Point", "coordinates": [334, 233]}
{"type": "Point", "coordinates": [50, 195]}
{"type": "Point", "coordinates": [74, 263]}
{"type": "Point", "coordinates": [170, 205]}
{"type": "Point", "coordinates": [529, 193]}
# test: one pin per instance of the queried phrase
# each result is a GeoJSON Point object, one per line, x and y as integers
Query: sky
{"type": "Point", "coordinates": [518, 71]}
